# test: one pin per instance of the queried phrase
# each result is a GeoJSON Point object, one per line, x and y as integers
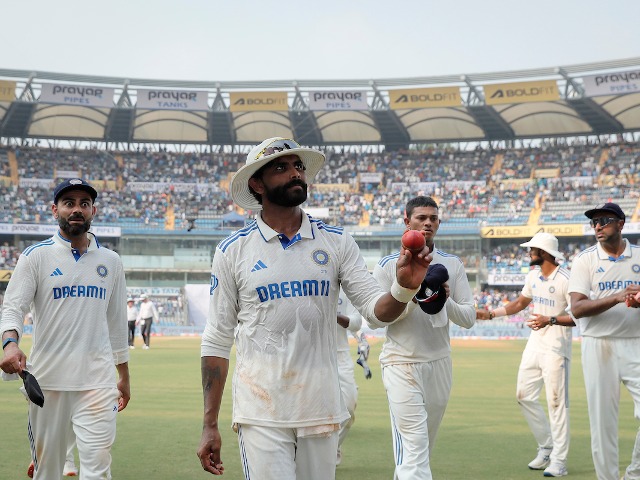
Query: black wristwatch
{"type": "Point", "coordinates": [553, 321]}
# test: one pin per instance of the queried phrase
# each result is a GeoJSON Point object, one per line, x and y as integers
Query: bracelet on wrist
{"type": "Point", "coordinates": [491, 315]}
{"type": "Point", "coordinates": [7, 341]}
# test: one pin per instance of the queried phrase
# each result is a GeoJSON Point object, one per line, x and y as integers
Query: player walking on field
{"type": "Point", "coordinates": [147, 314]}
{"type": "Point", "coordinates": [604, 279]}
{"type": "Point", "coordinates": [78, 293]}
{"type": "Point", "coordinates": [274, 287]}
{"type": "Point", "coordinates": [416, 355]}
{"type": "Point", "coordinates": [547, 355]}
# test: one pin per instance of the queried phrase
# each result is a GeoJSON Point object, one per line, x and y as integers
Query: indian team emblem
{"type": "Point", "coordinates": [552, 289]}
{"type": "Point", "coordinates": [320, 257]}
{"type": "Point", "coordinates": [214, 284]}
{"type": "Point", "coordinates": [636, 268]}
{"type": "Point", "coordinates": [102, 271]}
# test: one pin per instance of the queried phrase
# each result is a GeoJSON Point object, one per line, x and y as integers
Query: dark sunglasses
{"type": "Point", "coordinates": [602, 221]}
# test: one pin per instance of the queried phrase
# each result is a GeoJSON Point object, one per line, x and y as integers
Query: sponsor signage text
{"type": "Point", "coordinates": [258, 102]}
{"type": "Point", "coordinates": [521, 92]}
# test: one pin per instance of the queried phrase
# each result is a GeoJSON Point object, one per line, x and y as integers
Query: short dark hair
{"type": "Point", "coordinates": [421, 201]}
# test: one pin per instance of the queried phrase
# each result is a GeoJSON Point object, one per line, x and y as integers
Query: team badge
{"type": "Point", "coordinates": [320, 257]}
{"type": "Point", "coordinates": [102, 271]}
{"type": "Point", "coordinates": [214, 284]}
{"type": "Point", "coordinates": [636, 268]}
{"type": "Point", "coordinates": [552, 289]}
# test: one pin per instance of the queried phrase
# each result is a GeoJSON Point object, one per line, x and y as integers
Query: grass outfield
{"type": "Point", "coordinates": [483, 435]}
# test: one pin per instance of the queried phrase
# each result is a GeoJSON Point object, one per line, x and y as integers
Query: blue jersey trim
{"type": "Point", "coordinates": [243, 232]}
{"type": "Point", "coordinates": [588, 250]}
{"type": "Point", "coordinates": [450, 255]}
{"type": "Point", "coordinates": [384, 260]}
{"type": "Point", "coordinates": [329, 228]}
{"type": "Point", "coordinates": [31, 248]}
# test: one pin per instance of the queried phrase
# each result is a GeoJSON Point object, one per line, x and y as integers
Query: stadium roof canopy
{"type": "Point", "coordinates": [579, 100]}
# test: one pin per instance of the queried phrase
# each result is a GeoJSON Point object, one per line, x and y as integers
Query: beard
{"type": "Point", "coordinates": [536, 261]}
{"type": "Point", "coordinates": [282, 197]}
{"type": "Point", "coordinates": [74, 230]}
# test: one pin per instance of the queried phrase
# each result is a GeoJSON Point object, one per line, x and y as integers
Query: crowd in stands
{"type": "Point", "coordinates": [512, 258]}
{"type": "Point", "coordinates": [146, 189]}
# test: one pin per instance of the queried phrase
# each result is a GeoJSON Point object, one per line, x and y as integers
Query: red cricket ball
{"type": "Point", "coordinates": [413, 240]}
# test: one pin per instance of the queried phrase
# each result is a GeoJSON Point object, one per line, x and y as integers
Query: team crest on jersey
{"type": "Point", "coordinates": [636, 268]}
{"type": "Point", "coordinates": [552, 289]}
{"type": "Point", "coordinates": [102, 271]}
{"type": "Point", "coordinates": [320, 257]}
{"type": "Point", "coordinates": [214, 284]}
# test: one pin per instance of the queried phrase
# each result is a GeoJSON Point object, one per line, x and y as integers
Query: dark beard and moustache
{"type": "Point", "coordinates": [281, 196]}
{"type": "Point", "coordinates": [74, 230]}
{"type": "Point", "coordinates": [537, 261]}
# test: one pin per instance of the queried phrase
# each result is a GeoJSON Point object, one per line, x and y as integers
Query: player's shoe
{"type": "Point", "coordinates": [556, 469]}
{"type": "Point", "coordinates": [30, 470]}
{"type": "Point", "coordinates": [542, 460]}
{"type": "Point", "coordinates": [132, 347]}
{"type": "Point", "coordinates": [145, 347]}
{"type": "Point", "coordinates": [70, 469]}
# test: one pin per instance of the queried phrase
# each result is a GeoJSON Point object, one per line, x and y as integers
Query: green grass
{"type": "Point", "coordinates": [483, 435]}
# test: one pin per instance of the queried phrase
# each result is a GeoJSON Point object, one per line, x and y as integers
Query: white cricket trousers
{"type": "Point", "coordinates": [418, 394]}
{"type": "Point", "coordinates": [552, 371]}
{"type": "Point", "coordinates": [269, 453]}
{"type": "Point", "coordinates": [349, 391]}
{"type": "Point", "coordinates": [607, 361]}
{"type": "Point", "coordinates": [90, 415]}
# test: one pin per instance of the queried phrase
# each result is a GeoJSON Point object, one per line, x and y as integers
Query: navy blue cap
{"type": "Point", "coordinates": [432, 296]}
{"type": "Point", "coordinates": [74, 184]}
{"type": "Point", "coordinates": [606, 207]}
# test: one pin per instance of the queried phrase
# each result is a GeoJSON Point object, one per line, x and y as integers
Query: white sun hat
{"type": "Point", "coordinates": [545, 241]}
{"type": "Point", "coordinates": [259, 156]}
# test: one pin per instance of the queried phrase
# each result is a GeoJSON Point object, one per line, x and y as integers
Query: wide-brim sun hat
{"type": "Point", "coordinates": [259, 156]}
{"type": "Point", "coordinates": [545, 241]}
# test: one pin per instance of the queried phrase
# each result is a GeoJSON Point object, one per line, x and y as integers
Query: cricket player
{"type": "Point", "coordinates": [416, 355]}
{"type": "Point", "coordinates": [78, 292]}
{"type": "Point", "coordinates": [604, 279]}
{"type": "Point", "coordinates": [349, 320]}
{"type": "Point", "coordinates": [275, 287]}
{"type": "Point", "coordinates": [547, 355]}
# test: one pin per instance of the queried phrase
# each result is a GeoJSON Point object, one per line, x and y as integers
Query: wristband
{"type": "Point", "coordinates": [499, 312]}
{"type": "Point", "coordinates": [402, 294]}
{"type": "Point", "coordinates": [8, 340]}
{"type": "Point", "coordinates": [491, 315]}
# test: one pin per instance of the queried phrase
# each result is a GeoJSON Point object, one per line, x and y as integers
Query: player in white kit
{"type": "Point", "coordinates": [274, 287]}
{"type": "Point", "coordinates": [547, 355]}
{"type": "Point", "coordinates": [349, 320]}
{"type": "Point", "coordinates": [78, 292]}
{"type": "Point", "coordinates": [416, 355]}
{"type": "Point", "coordinates": [604, 278]}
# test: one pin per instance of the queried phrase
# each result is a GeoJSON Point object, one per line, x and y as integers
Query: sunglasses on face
{"type": "Point", "coordinates": [602, 221]}
{"type": "Point", "coordinates": [277, 147]}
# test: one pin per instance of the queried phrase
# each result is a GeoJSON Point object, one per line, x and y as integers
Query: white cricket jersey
{"type": "Point", "coordinates": [550, 297]}
{"type": "Point", "coordinates": [355, 322]}
{"type": "Point", "coordinates": [148, 310]}
{"type": "Point", "coordinates": [79, 313]}
{"type": "Point", "coordinates": [412, 338]}
{"type": "Point", "coordinates": [596, 275]}
{"type": "Point", "coordinates": [282, 296]}
{"type": "Point", "coordinates": [132, 313]}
